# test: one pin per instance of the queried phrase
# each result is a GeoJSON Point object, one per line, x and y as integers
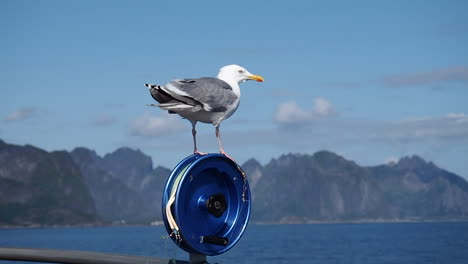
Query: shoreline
{"type": "Point", "coordinates": [260, 223]}
{"type": "Point", "coordinates": [362, 221]}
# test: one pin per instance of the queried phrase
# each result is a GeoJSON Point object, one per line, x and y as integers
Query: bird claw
{"type": "Point", "coordinates": [227, 156]}
{"type": "Point", "coordinates": [199, 153]}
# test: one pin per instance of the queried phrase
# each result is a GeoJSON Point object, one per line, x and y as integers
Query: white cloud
{"type": "Point", "coordinates": [398, 136]}
{"type": "Point", "coordinates": [322, 107]}
{"type": "Point", "coordinates": [457, 74]}
{"type": "Point", "coordinates": [458, 117]}
{"type": "Point", "coordinates": [149, 125]}
{"type": "Point", "coordinates": [451, 127]}
{"type": "Point", "coordinates": [21, 114]}
{"type": "Point", "coordinates": [290, 112]}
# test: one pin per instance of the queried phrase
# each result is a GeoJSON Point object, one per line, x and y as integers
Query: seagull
{"type": "Point", "coordinates": [208, 100]}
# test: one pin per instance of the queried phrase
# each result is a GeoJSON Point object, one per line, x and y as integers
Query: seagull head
{"type": "Point", "coordinates": [238, 74]}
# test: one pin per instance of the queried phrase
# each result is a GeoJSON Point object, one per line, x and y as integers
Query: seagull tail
{"type": "Point", "coordinates": [168, 102]}
{"type": "Point", "coordinates": [154, 86]}
{"type": "Point", "coordinates": [162, 107]}
{"type": "Point", "coordinates": [158, 93]}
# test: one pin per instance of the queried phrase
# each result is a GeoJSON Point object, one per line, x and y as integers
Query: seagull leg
{"type": "Point", "coordinates": [221, 149]}
{"type": "Point", "coordinates": [194, 135]}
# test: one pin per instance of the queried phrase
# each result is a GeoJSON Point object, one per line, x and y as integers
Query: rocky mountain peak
{"type": "Point", "coordinates": [84, 154]}
{"type": "Point", "coordinates": [254, 171]}
{"type": "Point", "coordinates": [128, 157]}
{"type": "Point", "coordinates": [330, 159]}
{"type": "Point", "coordinates": [251, 163]}
{"type": "Point", "coordinates": [412, 162]}
{"type": "Point", "coordinates": [40, 187]}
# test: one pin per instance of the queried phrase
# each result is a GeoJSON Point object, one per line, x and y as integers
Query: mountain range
{"type": "Point", "coordinates": [80, 187]}
{"type": "Point", "coordinates": [326, 187]}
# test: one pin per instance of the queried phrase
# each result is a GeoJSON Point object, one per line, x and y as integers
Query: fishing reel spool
{"type": "Point", "coordinates": [206, 204]}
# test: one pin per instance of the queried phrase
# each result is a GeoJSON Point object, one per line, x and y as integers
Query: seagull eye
{"type": "Point", "coordinates": [240, 71]}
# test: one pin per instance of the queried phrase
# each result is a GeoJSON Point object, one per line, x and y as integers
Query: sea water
{"type": "Point", "coordinates": [317, 243]}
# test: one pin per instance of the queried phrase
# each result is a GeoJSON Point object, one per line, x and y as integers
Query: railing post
{"type": "Point", "coordinates": [197, 258]}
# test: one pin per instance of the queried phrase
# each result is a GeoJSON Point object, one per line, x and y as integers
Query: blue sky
{"type": "Point", "coordinates": [370, 80]}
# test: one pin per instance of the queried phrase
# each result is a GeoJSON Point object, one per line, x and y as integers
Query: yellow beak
{"type": "Point", "coordinates": [257, 78]}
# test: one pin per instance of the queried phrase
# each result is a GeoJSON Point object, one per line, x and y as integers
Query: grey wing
{"type": "Point", "coordinates": [212, 93]}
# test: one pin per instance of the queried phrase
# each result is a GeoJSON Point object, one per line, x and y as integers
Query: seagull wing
{"type": "Point", "coordinates": [212, 94]}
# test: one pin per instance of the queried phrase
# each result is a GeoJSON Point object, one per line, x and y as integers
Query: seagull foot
{"type": "Point", "coordinates": [227, 156]}
{"type": "Point", "coordinates": [199, 153]}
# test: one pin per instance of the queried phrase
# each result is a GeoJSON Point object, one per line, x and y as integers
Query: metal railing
{"type": "Point", "coordinates": [86, 257]}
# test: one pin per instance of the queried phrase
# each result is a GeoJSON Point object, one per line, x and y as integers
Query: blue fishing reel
{"type": "Point", "coordinates": [206, 204]}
